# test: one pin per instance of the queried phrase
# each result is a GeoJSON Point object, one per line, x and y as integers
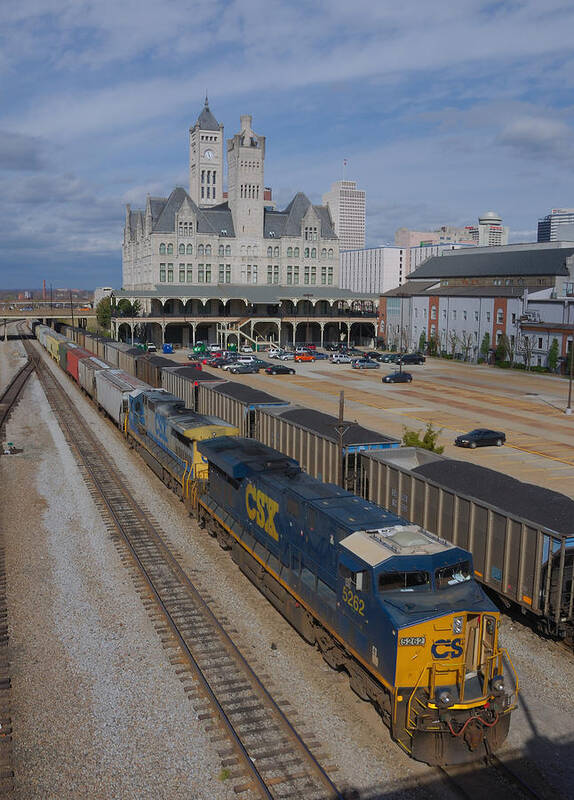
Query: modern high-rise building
{"type": "Point", "coordinates": [347, 206]}
{"type": "Point", "coordinates": [490, 231]}
{"type": "Point", "coordinates": [557, 226]}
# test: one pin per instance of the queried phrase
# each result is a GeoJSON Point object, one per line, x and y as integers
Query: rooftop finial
{"type": "Point", "coordinates": [206, 100]}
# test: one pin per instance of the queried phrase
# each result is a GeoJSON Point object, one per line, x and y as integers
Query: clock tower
{"type": "Point", "coordinates": [206, 159]}
{"type": "Point", "coordinates": [245, 171]}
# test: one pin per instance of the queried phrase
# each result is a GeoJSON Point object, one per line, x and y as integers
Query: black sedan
{"type": "Point", "coordinates": [411, 358]}
{"type": "Point", "coordinates": [398, 377]}
{"type": "Point", "coordinates": [480, 437]}
{"type": "Point", "coordinates": [244, 369]}
{"type": "Point", "coordinates": [279, 369]}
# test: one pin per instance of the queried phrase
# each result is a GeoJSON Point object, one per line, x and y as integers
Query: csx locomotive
{"type": "Point", "coordinates": [393, 605]}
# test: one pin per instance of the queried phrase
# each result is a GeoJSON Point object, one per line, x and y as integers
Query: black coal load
{"type": "Point", "coordinates": [538, 505]}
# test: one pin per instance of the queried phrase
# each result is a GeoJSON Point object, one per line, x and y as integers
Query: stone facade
{"type": "Point", "coordinates": [205, 238]}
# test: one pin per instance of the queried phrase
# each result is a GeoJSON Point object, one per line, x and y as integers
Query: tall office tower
{"type": "Point", "coordinates": [347, 207]}
{"type": "Point", "coordinates": [490, 231]}
{"type": "Point", "coordinates": [558, 226]}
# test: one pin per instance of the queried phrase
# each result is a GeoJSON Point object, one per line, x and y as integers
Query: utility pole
{"type": "Point", "coordinates": [341, 429]}
{"type": "Point", "coordinates": [569, 406]}
{"type": "Point", "coordinates": [71, 308]}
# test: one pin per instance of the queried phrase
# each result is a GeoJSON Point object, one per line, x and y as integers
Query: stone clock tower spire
{"type": "Point", "coordinates": [206, 159]}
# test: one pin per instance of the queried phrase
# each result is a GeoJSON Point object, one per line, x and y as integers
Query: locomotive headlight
{"type": "Point", "coordinates": [457, 625]}
{"type": "Point", "coordinates": [445, 698]}
{"type": "Point", "coordinates": [497, 683]}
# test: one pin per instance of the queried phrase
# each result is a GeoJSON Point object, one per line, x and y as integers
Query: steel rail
{"type": "Point", "coordinates": [126, 513]}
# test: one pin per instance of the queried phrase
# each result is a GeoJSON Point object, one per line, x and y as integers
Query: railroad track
{"type": "Point", "coordinates": [12, 392]}
{"type": "Point", "coordinates": [496, 780]}
{"type": "Point", "coordinates": [260, 750]}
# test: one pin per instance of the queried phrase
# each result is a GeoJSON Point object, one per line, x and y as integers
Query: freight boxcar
{"type": "Point", "coordinates": [236, 403]}
{"type": "Point", "coordinates": [53, 342]}
{"type": "Point", "coordinates": [311, 437]}
{"type": "Point", "coordinates": [184, 382]}
{"type": "Point", "coordinates": [521, 535]}
{"type": "Point", "coordinates": [113, 387]}
{"type": "Point", "coordinates": [87, 369]}
{"type": "Point", "coordinates": [74, 356]}
{"type": "Point", "coordinates": [148, 368]}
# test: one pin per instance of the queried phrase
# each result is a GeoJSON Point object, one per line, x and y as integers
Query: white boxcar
{"type": "Point", "coordinates": [113, 387]}
{"type": "Point", "coordinates": [87, 369]}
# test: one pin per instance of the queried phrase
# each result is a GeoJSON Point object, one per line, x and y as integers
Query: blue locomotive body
{"type": "Point", "coordinates": [375, 592]}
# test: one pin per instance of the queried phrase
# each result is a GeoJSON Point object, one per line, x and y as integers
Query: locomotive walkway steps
{"type": "Point", "coordinates": [261, 751]}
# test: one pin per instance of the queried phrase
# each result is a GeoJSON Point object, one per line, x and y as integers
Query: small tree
{"type": "Point", "coordinates": [452, 342]}
{"type": "Point", "coordinates": [428, 440]}
{"type": "Point", "coordinates": [128, 309]}
{"type": "Point", "coordinates": [485, 345]}
{"type": "Point", "coordinates": [104, 313]}
{"type": "Point", "coordinates": [504, 349]}
{"type": "Point", "coordinates": [525, 348]}
{"type": "Point", "coordinates": [432, 345]}
{"type": "Point", "coordinates": [553, 355]}
{"type": "Point", "coordinates": [466, 344]}
{"type": "Point", "coordinates": [422, 342]}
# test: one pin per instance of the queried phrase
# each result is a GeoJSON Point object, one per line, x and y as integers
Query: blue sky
{"type": "Point", "coordinates": [443, 110]}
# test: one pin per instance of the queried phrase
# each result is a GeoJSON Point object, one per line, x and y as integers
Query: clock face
{"type": "Point", "coordinates": [209, 154]}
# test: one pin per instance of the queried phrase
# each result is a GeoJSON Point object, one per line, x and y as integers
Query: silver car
{"type": "Point", "coordinates": [365, 363]}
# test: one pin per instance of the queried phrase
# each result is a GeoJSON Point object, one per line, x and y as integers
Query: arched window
{"type": "Point", "coordinates": [269, 252]}
{"type": "Point", "coordinates": [189, 249]}
{"type": "Point", "coordinates": [290, 252]}
{"type": "Point", "coordinates": [227, 249]}
{"type": "Point", "coordinates": [221, 250]}
{"type": "Point", "coordinates": [190, 228]}
{"type": "Point", "coordinates": [200, 250]}
{"type": "Point", "coordinates": [313, 252]}
{"type": "Point", "coordinates": [170, 249]}
{"type": "Point", "coordinates": [330, 252]}
{"type": "Point", "coordinates": [242, 249]}
{"type": "Point", "coordinates": [248, 249]}
{"type": "Point", "coordinates": [162, 249]}
{"type": "Point", "coordinates": [324, 252]}
{"type": "Point", "coordinates": [255, 251]}
{"type": "Point", "coordinates": [306, 253]}
{"type": "Point", "coordinates": [207, 249]}
{"type": "Point", "coordinates": [182, 249]}
{"type": "Point", "coordinates": [296, 252]}
{"type": "Point", "coordinates": [276, 251]}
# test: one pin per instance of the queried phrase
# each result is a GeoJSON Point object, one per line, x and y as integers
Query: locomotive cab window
{"type": "Point", "coordinates": [417, 581]}
{"type": "Point", "coordinates": [359, 581]}
{"type": "Point", "coordinates": [453, 575]}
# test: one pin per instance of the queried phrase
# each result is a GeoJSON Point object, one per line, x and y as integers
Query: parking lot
{"type": "Point", "coordinates": [455, 398]}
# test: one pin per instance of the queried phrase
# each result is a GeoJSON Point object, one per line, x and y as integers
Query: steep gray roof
{"type": "Point", "coordinates": [215, 220]}
{"type": "Point", "coordinates": [166, 221]}
{"type": "Point", "coordinates": [288, 222]}
{"type": "Point", "coordinates": [495, 261]}
{"type": "Point", "coordinates": [206, 120]}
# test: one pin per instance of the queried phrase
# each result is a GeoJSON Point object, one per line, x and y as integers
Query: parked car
{"type": "Point", "coordinates": [246, 348]}
{"type": "Point", "coordinates": [480, 437]}
{"type": "Point", "coordinates": [244, 369]}
{"type": "Point", "coordinates": [332, 347]}
{"type": "Point", "coordinates": [320, 356]}
{"type": "Point", "coordinates": [300, 349]}
{"type": "Point", "coordinates": [398, 377]}
{"type": "Point", "coordinates": [374, 355]}
{"type": "Point", "coordinates": [287, 356]}
{"type": "Point", "coordinates": [214, 348]}
{"type": "Point", "coordinates": [390, 358]}
{"type": "Point", "coordinates": [304, 357]}
{"type": "Point", "coordinates": [150, 347]}
{"type": "Point", "coordinates": [411, 358]}
{"type": "Point", "coordinates": [365, 363]}
{"type": "Point", "coordinates": [340, 358]}
{"type": "Point", "coordinates": [194, 361]}
{"type": "Point", "coordinates": [279, 369]}
{"type": "Point", "coordinates": [310, 346]}
{"type": "Point", "coordinates": [274, 352]}
{"type": "Point", "coordinates": [241, 360]}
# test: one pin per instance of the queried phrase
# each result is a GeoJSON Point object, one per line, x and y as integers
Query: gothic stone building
{"type": "Point", "coordinates": [230, 262]}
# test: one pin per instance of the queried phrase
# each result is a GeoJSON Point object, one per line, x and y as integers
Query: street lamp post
{"type": "Point", "coordinates": [568, 409]}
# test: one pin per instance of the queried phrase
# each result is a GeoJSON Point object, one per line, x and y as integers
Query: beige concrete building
{"type": "Point", "coordinates": [347, 206]}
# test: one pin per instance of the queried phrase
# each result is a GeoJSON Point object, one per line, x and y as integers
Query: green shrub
{"type": "Point", "coordinates": [428, 440]}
